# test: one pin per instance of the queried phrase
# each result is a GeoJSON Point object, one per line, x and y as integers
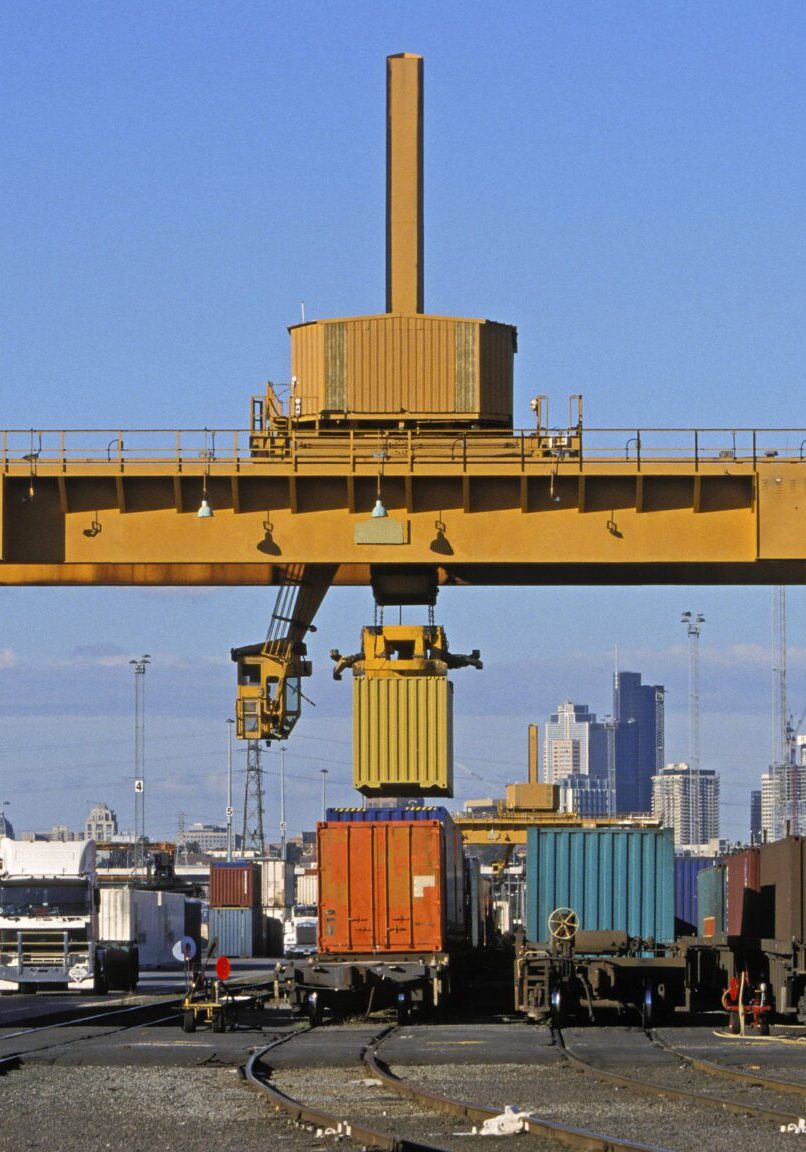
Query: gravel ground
{"type": "Point", "coordinates": [569, 1097]}
{"type": "Point", "coordinates": [140, 1110]}
{"type": "Point", "coordinates": [84, 1109]}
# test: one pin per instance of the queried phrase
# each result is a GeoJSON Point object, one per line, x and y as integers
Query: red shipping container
{"type": "Point", "coordinates": [235, 885]}
{"type": "Point", "coordinates": [390, 887]}
{"type": "Point", "coordinates": [743, 893]}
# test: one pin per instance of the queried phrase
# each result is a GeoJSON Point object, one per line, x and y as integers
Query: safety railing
{"type": "Point", "coordinates": [199, 449]}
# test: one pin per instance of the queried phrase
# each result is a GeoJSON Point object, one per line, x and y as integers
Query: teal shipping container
{"type": "Point", "coordinates": [618, 879]}
{"type": "Point", "coordinates": [711, 900]}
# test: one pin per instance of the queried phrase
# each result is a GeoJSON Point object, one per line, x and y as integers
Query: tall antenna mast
{"type": "Point", "coordinates": [693, 625]}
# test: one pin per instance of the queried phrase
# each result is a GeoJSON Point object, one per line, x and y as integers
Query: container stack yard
{"type": "Point", "coordinates": [236, 918]}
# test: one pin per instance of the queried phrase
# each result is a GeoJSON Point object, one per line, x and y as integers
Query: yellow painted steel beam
{"type": "Point", "coordinates": [494, 517]}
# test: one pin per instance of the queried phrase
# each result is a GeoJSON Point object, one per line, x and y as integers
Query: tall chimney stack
{"type": "Point", "coordinates": [404, 183]}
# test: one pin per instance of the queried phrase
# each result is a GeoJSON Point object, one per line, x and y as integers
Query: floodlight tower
{"type": "Point", "coordinates": [139, 665]}
{"type": "Point", "coordinates": [693, 623]}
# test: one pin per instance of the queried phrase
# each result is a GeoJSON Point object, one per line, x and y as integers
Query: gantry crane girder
{"type": "Point", "coordinates": [475, 508]}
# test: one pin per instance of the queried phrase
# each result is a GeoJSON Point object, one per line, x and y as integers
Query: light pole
{"type": "Point", "coordinates": [139, 666]}
{"type": "Point", "coordinates": [324, 793]}
{"type": "Point", "coordinates": [229, 789]}
{"type": "Point", "coordinates": [693, 625]}
{"type": "Point", "coordinates": [282, 802]}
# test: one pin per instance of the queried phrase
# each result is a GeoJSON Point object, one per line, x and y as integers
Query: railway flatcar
{"type": "Point", "coordinates": [599, 930]}
{"type": "Point", "coordinates": [752, 924]}
{"type": "Point", "coordinates": [393, 914]}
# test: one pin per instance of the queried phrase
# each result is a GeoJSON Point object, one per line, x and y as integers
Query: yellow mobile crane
{"type": "Point", "coordinates": [270, 694]}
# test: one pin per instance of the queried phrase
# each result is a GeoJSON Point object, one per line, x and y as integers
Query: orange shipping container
{"type": "Point", "coordinates": [390, 887]}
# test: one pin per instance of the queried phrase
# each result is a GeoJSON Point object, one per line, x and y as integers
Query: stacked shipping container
{"type": "Point", "coordinates": [235, 912]}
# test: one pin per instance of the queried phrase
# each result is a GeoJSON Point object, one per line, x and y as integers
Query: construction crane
{"type": "Point", "coordinates": [269, 700]}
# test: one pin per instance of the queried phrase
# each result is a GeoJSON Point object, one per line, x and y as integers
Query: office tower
{"type": "Point", "coordinates": [755, 816]}
{"type": "Point", "coordinates": [639, 740]}
{"type": "Point", "coordinates": [694, 818]}
{"type": "Point", "coordinates": [575, 756]}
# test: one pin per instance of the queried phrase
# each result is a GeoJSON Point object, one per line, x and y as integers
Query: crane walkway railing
{"type": "Point", "coordinates": [298, 448]}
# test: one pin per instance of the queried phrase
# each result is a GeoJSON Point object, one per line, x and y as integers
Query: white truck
{"type": "Point", "coordinates": [299, 933]}
{"type": "Point", "coordinates": [49, 922]}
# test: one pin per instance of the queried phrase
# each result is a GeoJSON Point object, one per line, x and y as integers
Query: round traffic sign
{"type": "Point", "coordinates": [222, 968]}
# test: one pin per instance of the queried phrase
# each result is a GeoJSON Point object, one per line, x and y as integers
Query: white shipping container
{"type": "Point", "coordinates": [154, 921]}
{"type": "Point", "coordinates": [276, 884]}
{"type": "Point", "coordinates": [307, 889]}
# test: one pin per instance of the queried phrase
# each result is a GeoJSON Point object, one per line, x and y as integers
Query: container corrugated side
{"type": "Point", "coordinates": [743, 915]}
{"type": "Point", "coordinates": [403, 735]}
{"type": "Point", "coordinates": [237, 930]}
{"type": "Point", "coordinates": [276, 884]}
{"type": "Point", "coordinates": [390, 887]}
{"type": "Point", "coordinates": [783, 892]}
{"type": "Point", "coordinates": [686, 869]}
{"type": "Point", "coordinates": [620, 879]}
{"type": "Point", "coordinates": [306, 890]}
{"type": "Point", "coordinates": [711, 898]}
{"type": "Point", "coordinates": [234, 885]}
{"type": "Point", "coordinates": [154, 921]}
{"type": "Point", "coordinates": [377, 815]}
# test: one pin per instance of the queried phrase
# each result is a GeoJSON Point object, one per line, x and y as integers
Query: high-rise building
{"type": "Point", "coordinates": [755, 816]}
{"type": "Point", "coordinates": [673, 803]}
{"type": "Point", "coordinates": [101, 824]}
{"type": "Point", "coordinates": [784, 809]}
{"type": "Point", "coordinates": [575, 756]}
{"type": "Point", "coordinates": [638, 710]}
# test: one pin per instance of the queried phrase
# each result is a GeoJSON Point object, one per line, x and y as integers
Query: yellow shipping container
{"type": "Point", "coordinates": [403, 736]}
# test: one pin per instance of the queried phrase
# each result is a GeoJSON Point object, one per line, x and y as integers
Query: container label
{"type": "Point", "coordinates": [421, 883]}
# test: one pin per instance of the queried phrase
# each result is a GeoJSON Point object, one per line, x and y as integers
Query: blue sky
{"type": "Point", "coordinates": [624, 182]}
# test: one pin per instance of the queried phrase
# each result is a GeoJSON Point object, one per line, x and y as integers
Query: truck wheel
{"type": "Point", "coordinates": [134, 969]}
{"type": "Point", "coordinates": [734, 1025]}
{"type": "Point", "coordinates": [189, 1022]}
{"type": "Point", "coordinates": [100, 984]}
{"type": "Point", "coordinates": [219, 1022]}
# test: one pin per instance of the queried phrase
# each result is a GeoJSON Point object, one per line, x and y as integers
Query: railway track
{"type": "Point", "coordinates": [18, 1043]}
{"type": "Point", "coordinates": [404, 1116]}
{"type": "Point", "coordinates": [698, 1090]}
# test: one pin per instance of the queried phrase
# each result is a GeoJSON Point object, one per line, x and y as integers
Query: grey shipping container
{"type": "Point", "coordinates": [711, 899]}
{"type": "Point", "coordinates": [239, 931]}
{"type": "Point", "coordinates": [620, 879]}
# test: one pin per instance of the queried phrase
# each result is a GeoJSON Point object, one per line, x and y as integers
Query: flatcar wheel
{"type": "Point", "coordinates": [763, 1028]}
{"type": "Point", "coordinates": [403, 1008]}
{"type": "Point", "coordinates": [315, 1009]}
{"type": "Point", "coordinates": [189, 1022]}
{"type": "Point", "coordinates": [557, 1008]}
{"type": "Point", "coordinates": [648, 1009]}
